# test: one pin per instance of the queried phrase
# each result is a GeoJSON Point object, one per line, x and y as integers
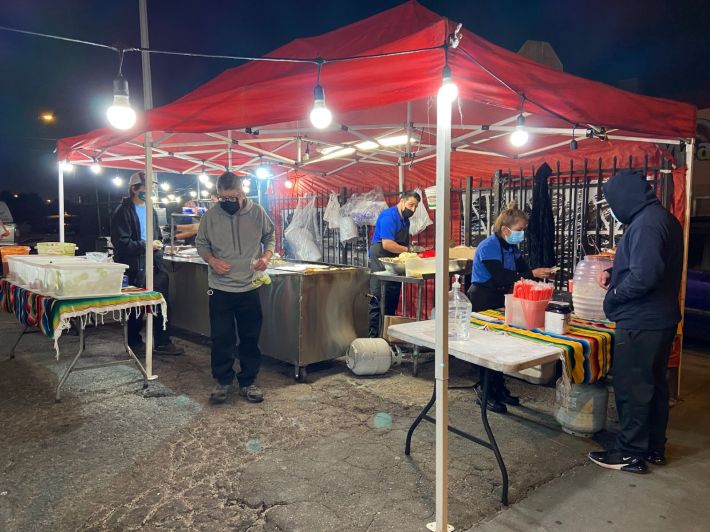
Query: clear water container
{"type": "Point", "coordinates": [460, 309]}
{"type": "Point", "coordinates": [587, 295]}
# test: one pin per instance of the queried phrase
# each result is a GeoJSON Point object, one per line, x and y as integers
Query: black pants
{"type": "Point", "coordinates": [161, 284]}
{"type": "Point", "coordinates": [232, 312]}
{"type": "Point", "coordinates": [641, 388]}
{"type": "Point", "coordinates": [392, 293]}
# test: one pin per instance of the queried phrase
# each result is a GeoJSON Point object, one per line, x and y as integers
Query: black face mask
{"type": "Point", "coordinates": [230, 207]}
{"type": "Point", "coordinates": [407, 213]}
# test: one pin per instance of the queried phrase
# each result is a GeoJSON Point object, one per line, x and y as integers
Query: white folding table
{"type": "Point", "coordinates": [491, 351]}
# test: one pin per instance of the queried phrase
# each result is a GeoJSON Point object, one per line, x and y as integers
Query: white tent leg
{"type": "Point", "coordinates": [400, 169]}
{"type": "Point", "coordinates": [441, 301]}
{"type": "Point", "coordinates": [61, 203]}
{"type": "Point", "coordinates": [148, 104]}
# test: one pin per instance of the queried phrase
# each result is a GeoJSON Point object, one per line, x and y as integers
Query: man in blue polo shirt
{"type": "Point", "coordinates": [391, 237]}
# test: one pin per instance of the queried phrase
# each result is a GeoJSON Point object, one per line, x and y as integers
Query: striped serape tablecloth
{"type": "Point", "coordinates": [588, 346]}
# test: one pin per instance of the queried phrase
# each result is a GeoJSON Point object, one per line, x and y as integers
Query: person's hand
{"type": "Point", "coordinates": [603, 279]}
{"type": "Point", "coordinates": [157, 245]}
{"type": "Point", "coordinates": [186, 231]}
{"type": "Point", "coordinates": [542, 273]}
{"type": "Point", "coordinates": [5, 232]}
{"type": "Point", "coordinates": [220, 267]}
{"type": "Point", "coordinates": [261, 264]}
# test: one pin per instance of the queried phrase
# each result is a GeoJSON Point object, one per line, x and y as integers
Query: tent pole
{"type": "Point", "coordinates": [689, 163]}
{"type": "Point", "coordinates": [147, 104]}
{"type": "Point", "coordinates": [60, 202]}
{"type": "Point", "coordinates": [400, 169]}
{"type": "Point", "coordinates": [441, 301]}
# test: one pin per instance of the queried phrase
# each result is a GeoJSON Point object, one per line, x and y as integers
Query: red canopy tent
{"type": "Point", "coordinates": [257, 112]}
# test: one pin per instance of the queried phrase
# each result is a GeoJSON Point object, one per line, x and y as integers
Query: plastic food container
{"type": "Point", "coordinates": [588, 296]}
{"type": "Point", "coordinates": [30, 270]}
{"type": "Point", "coordinates": [416, 267]}
{"type": "Point", "coordinates": [89, 279]}
{"type": "Point", "coordinates": [557, 317]}
{"type": "Point", "coordinates": [8, 251]}
{"type": "Point", "coordinates": [525, 313]}
{"type": "Point", "coordinates": [56, 248]}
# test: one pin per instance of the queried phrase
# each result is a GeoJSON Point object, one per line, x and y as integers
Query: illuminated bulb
{"type": "Point", "coordinates": [263, 172]}
{"type": "Point", "coordinates": [47, 118]}
{"type": "Point", "coordinates": [96, 168]}
{"type": "Point", "coordinates": [321, 117]}
{"type": "Point", "coordinates": [204, 193]}
{"type": "Point", "coordinates": [165, 186]}
{"type": "Point", "coordinates": [117, 181]}
{"type": "Point", "coordinates": [288, 184]}
{"type": "Point", "coordinates": [66, 166]}
{"type": "Point", "coordinates": [171, 197]}
{"type": "Point", "coordinates": [520, 136]}
{"type": "Point", "coordinates": [193, 194]}
{"type": "Point", "coordinates": [165, 201]}
{"type": "Point", "coordinates": [448, 90]}
{"type": "Point", "coordinates": [203, 177]}
{"type": "Point", "coordinates": [209, 185]}
{"type": "Point", "coordinates": [120, 115]}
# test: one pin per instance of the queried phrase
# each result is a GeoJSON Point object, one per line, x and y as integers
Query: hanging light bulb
{"type": "Point", "coordinates": [208, 184]}
{"type": "Point", "coordinates": [307, 155]}
{"type": "Point", "coordinates": [165, 186]}
{"type": "Point", "coordinates": [321, 117]}
{"type": "Point", "coordinates": [203, 177]}
{"type": "Point", "coordinates": [165, 201]}
{"type": "Point", "coordinates": [117, 181]}
{"type": "Point", "coordinates": [448, 90]}
{"type": "Point", "coordinates": [204, 194]}
{"type": "Point", "coordinates": [520, 136]}
{"type": "Point", "coordinates": [263, 171]}
{"type": "Point", "coordinates": [66, 166]}
{"type": "Point", "coordinates": [573, 144]}
{"type": "Point", "coordinates": [120, 115]}
{"type": "Point", "coordinates": [171, 197]}
{"type": "Point", "coordinates": [288, 184]}
{"type": "Point", "coordinates": [96, 168]}
{"type": "Point", "coordinates": [193, 194]}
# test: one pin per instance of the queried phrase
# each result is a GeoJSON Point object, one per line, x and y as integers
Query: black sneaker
{"type": "Point", "coordinates": [494, 405]}
{"type": "Point", "coordinates": [619, 461]}
{"type": "Point", "coordinates": [656, 458]}
{"type": "Point", "coordinates": [168, 349]}
{"type": "Point", "coordinates": [508, 398]}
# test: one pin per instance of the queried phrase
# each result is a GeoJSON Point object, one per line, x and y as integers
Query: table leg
{"type": "Point", "coordinates": [491, 438]}
{"type": "Point", "coordinates": [415, 354]}
{"type": "Point", "coordinates": [24, 331]}
{"type": "Point", "coordinates": [383, 288]}
{"type": "Point", "coordinates": [131, 354]}
{"type": "Point", "coordinates": [420, 417]}
{"type": "Point", "coordinates": [73, 363]}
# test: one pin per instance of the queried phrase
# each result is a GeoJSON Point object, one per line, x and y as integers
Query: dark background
{"type": "Point", "coordinates": [663, 47]}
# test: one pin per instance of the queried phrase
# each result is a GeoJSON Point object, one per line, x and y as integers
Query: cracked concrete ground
{"type": "Point", "coordinates": [322, 456]}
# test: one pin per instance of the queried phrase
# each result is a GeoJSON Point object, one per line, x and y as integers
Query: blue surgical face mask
{"type": "Point", "coordinates": [515, 237]}
{"type": "Point", "coordinates": [141, 196]}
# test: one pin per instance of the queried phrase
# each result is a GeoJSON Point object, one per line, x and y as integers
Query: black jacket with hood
{"type": "Point", "coordinates": [646, 276]}
{"type": "Point", "coordinates": [127, 244]}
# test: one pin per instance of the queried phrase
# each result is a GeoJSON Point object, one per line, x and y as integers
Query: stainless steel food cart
{"type": "Point", "coordinates": [312, 312]}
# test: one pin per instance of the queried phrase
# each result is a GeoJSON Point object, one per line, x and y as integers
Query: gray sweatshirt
{"type": "Point", "coordinates": [237, 239]}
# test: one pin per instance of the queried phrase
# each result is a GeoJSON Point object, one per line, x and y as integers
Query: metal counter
{"type": "Point", "coordinates": [308, 316]}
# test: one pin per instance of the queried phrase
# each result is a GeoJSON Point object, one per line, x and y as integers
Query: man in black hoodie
{"type": "Point", "coordinates": [642, 298]}
{"type": "Point", "coordinates": [128, 236]}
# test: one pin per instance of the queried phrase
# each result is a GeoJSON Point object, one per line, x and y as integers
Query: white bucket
{"type": "Point", "coordinates": [369, 356]}
{"type": "Point", "coordinates": [581, 408]}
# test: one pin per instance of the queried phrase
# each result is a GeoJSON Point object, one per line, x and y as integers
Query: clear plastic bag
{"type": "Point", "coordinates": [332, 212]}
{"type": "Point", "coordinates": [421, 219]}
{"type": "Point", "coordinates": [303, 233]}
{"type": "Point", "coordinates": [364, 209]}
{"type": "Point", "coordinates": [348, 229]}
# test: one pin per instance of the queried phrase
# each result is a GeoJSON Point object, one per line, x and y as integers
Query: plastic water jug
{"type": "Point", "coordinates": [587, 296]}
{"type": "Point", "coordinates": [459, 312]}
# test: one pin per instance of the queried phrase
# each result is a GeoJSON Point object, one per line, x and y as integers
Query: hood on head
{"type": "Point", "coordinates": [627, 193]}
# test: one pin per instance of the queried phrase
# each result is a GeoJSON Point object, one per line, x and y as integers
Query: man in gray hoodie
{"type": "Point", "coordinates": [235, 238]}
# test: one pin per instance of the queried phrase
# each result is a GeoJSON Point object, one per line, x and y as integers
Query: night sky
{"type": "Point", "coordinates": [665, 45]}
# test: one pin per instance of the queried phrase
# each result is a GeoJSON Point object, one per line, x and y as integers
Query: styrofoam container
{"type": "Point", "coordinates": [56, 248]}
{"type": "Point", "coordinates": [87, 279]}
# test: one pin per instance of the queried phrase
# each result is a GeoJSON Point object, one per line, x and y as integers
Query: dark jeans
{"type": "Point", "coordinates": [232, 312]}
{"type": "Point", "coordinates": [641, 388]}
{"type": "Point", "coordinates": [392, 293]}
{"type": "Point", "coordinates": [161, 284]}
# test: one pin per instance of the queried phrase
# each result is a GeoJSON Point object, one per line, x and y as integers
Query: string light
{"type": "Point", "coordinates": [321, 117]}
{"type": "Point", "coordinates": [448, 90]}
{"type": "Point", "coordinates": [520, 136]}
{"type": "Point", "coordinates": [120, 115]}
